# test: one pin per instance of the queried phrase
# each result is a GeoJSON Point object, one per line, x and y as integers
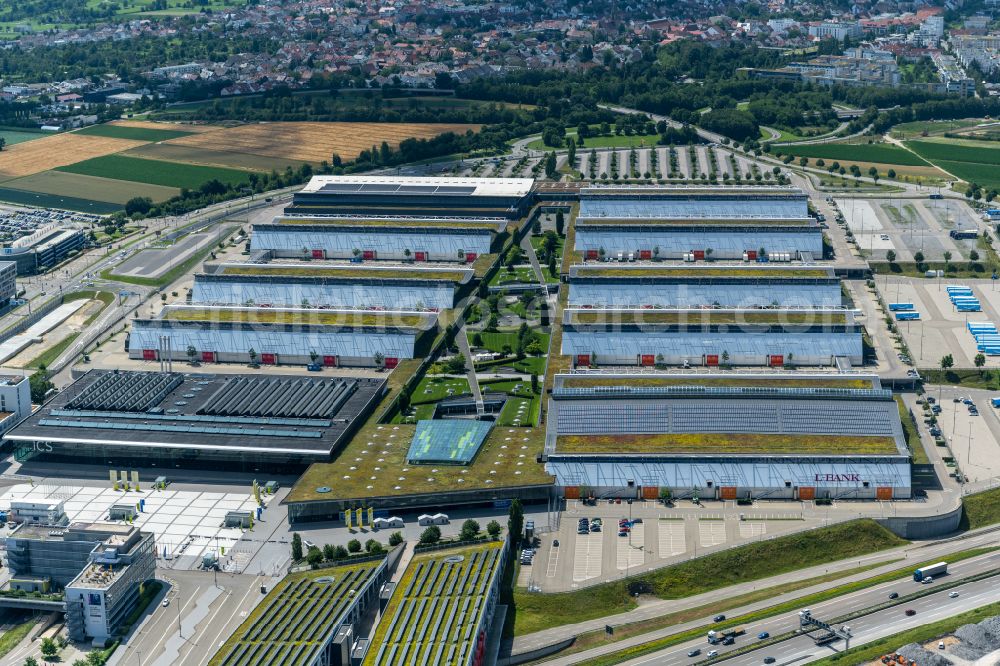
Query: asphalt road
{"type": "Point", "coordinates": [779, 624]}
{"type": "Point", "coordinates": [869, 627]}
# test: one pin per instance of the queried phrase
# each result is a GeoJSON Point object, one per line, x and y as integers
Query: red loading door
{"type": "Point", "coordinates": [592, 255]}
{"type": "Point", "coordinates": [645, 254]}
{"type": "Point", "coordinates": [208, 357]}
{"type": "Point", "coordinates": [711, 359]}
{"type": "Point", "coordinates": [752, 255]}
{"type": "Point", "coordinates": [330, 361]}
{"type": "Point", "coordinates": [148, 354]}
{"type": "Point", "coordinates": [807, 493]}
{"type": "Point", "coordinates": [268, 359]}
{"type": "Point", "coordinates": [318, 254]}
{"type": "Point", "coordinates": [699, 254]}
{"type": "Point", "coordinates": [648, 359]}
{"type": "Point", "coordinates": [583, 359]}
{"type": "Point", "coordinates": [776, 360]}
{"type": "Point", "coordinates": [420, 256]}
{"type": "Point", "coordinates": [727, 492]}
{"type": "Point", "coordinates": [470, 257]}
{"type": "Point", "coordinates": [368, 254]}
{"type": "Point", "coordinates": [391, 362]}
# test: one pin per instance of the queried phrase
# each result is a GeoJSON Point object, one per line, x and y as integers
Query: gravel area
{"type": "Point", "coordinates": [914, 652]}
{"type": "Point", "coordinates": [974, 636]}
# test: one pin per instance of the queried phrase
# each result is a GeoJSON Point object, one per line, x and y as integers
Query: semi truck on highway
{"type": "Point", "coordinates": [716, 637]}
{"type": "Point", "coordinates": [927, 573]}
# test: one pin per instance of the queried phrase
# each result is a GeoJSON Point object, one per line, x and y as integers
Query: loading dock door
{"type": "Point", "coordinates": [807, 493]}
{"type": "Point", "coordinates": [583, 359]}
{"type": "Point", "coordinates": [727, 492]}
{"type": "Point", "coordinates": [319, 254]}
{"type": "Point", "coordinates": [391, 362]}
{"type": "Point", "coordinates": [268, 359]}
{"type": "Point", "coordinates": [148, 354]}
{"type": "Point", "coordinates": [420, 256]}
{"type": "Point", "coordinates": [571, 492]}
{"type": "Point", "coordinates": [645, 254]}
{"type": "Point", "coordinates": [647, 359]}
{"type": "Point", "coordinates": [776, 360]}
{"type": "Point", "coordinates": [208, 357]}
{"type": "Point", "coordinates": [330, 361]}
{"type": "Point", "coordinates": [650, 492]}
{"type": "Point", "coordinates": [368, 254]}
{"type": "Point", "coordinates": [699, 255]}
{"type": "Point", "coordinates": [711, 359]}
{"type": "Point", "coordinates": [591, 255]}
{"type": "Point", "coordinates": [883, 493]}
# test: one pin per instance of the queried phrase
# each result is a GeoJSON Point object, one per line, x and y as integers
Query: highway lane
{"type": "Point", "coordinates": [888, 622]}
{"type": "Point", "coordinates": [784, 623]}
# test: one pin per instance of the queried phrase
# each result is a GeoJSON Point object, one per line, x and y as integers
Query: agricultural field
{"type": "Point", "coordinates": [951, 151]}
{"type": "Point", "coordinates": [134, 133]}
{"type": "Point", "coordinates": [169, 152]}
{"type": "Point", "coordinates": [879, 153]}
{"type": "Point", "coordinates": [25, 198]}
{"type": "Point", "coordinates": [313, 141]}
{"type": "Point", "coordinates": [24, 159]}
{"type": "Point", "coordinates": [90, 187]}
{"type": "Point", "coordinates": [154, 172]}
{"type": "Point", "coordinates": [12, 137]}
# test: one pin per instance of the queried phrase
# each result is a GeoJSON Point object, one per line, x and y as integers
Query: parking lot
{"type": "Point", "coordinates": [941, 330]}
{"type": "Point", "coordinates": [908, 226]}
{"type": "Point", "coordinates": [657, 536]}
{"type": "Point", "coordinates": [974, 440]}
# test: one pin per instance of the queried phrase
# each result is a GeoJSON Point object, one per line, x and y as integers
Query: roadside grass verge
{"type": "Point", "coordinates": [872, 651]}
{"type": "Point", "coordinates": [981, 509]}
{"type": "Point", "coordinates": [12, 637]}
{"type": "Point", "coordinates": [52, 353]}
{"type": "Point", "coordinates": [969, 378]}
{"type": "Point", "coordinates": [742, 564]}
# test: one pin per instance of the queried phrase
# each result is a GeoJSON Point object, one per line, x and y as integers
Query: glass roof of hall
{"type": "Point", "coordinates": [453, 442]}
{"type": "Point", "coordinates": [739, 209]}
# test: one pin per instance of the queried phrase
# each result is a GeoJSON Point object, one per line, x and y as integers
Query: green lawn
{"type": "Point", "coordinates": [911, 434]}
{"type": "Point", "coordinates": [155, 172]}
{"type": "Point", "coordinates": [613, 141]}
{"type": "Point", "coordinates": [133, 133]}
{"type": "Point", "coordinates": [435, 389]}
{"type": "Point", "coordinates": [881, 153]}
{"type": "Point", "coordinates": [521, 275]}
{"type": "Point", "coordinates": [916, 128]}
{"type": "Point", "coordinates": [742, 564]}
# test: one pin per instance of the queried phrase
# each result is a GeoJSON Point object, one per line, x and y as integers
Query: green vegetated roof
{"type": "Point", "coordinates": [435, 608]}
{"type": "Point", "coordinates": [498, 464]}
{"type": "Point", "coordinates": [700, 317]}
{"type": "Point", "coordinates": [575, 381]}
{"type": "Point", "coordinates": [363, 222]}
{"type": "Point", "coordinates": [362, 272]}
{"type": "Point", "coordinates": [296, 618]}
{"type": "Point", "coordinates": [317, 317]}
{"type": "Point", "coordinates": [647, 271]}
{"type": "Point", "coordinates": [726, 443]}
{"type": "Point", "coordinates": [694, 222]}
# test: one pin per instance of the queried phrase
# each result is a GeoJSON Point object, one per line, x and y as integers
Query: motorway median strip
{"type": "Point", "coordinates": [793, 605]}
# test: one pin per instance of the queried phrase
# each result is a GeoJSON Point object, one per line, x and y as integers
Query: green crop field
{"type": "Point", "coordinates": [133, 133]}
{"type": "Point", "coordinates": [15, 136]}
{"type": "Point", "coordinates": [949, 152]}
{"type": "Point", "coordinates": [880, 153]}
{"type": "Point", "coordinates": [155, 172]}
{"type": "Point", "coordinates": [986, 175]}
{"type": "Point", "coordinates": [918, 127]}
{"type": "Point", "coordinates": [26, 198]}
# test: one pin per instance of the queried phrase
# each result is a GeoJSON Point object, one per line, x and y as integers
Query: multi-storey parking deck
{"type": "Point", "coordinates": [441, 610]}
{"type": "Point", "coordinates": [297, 623]}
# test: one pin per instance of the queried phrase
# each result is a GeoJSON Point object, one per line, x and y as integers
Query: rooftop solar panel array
{"type": "Point", "coordinates": [298, 618]}
{"type": "Point", "coordinates": [278, 397]}
{"type": "Point", "coordinates": [435, 612]}
{"type": "Point", "coordinates": [392, 188]}
{"type": "Point", "coordinates": [730, 415]}
{"type": "Point", "coordinates": [127, 391]}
